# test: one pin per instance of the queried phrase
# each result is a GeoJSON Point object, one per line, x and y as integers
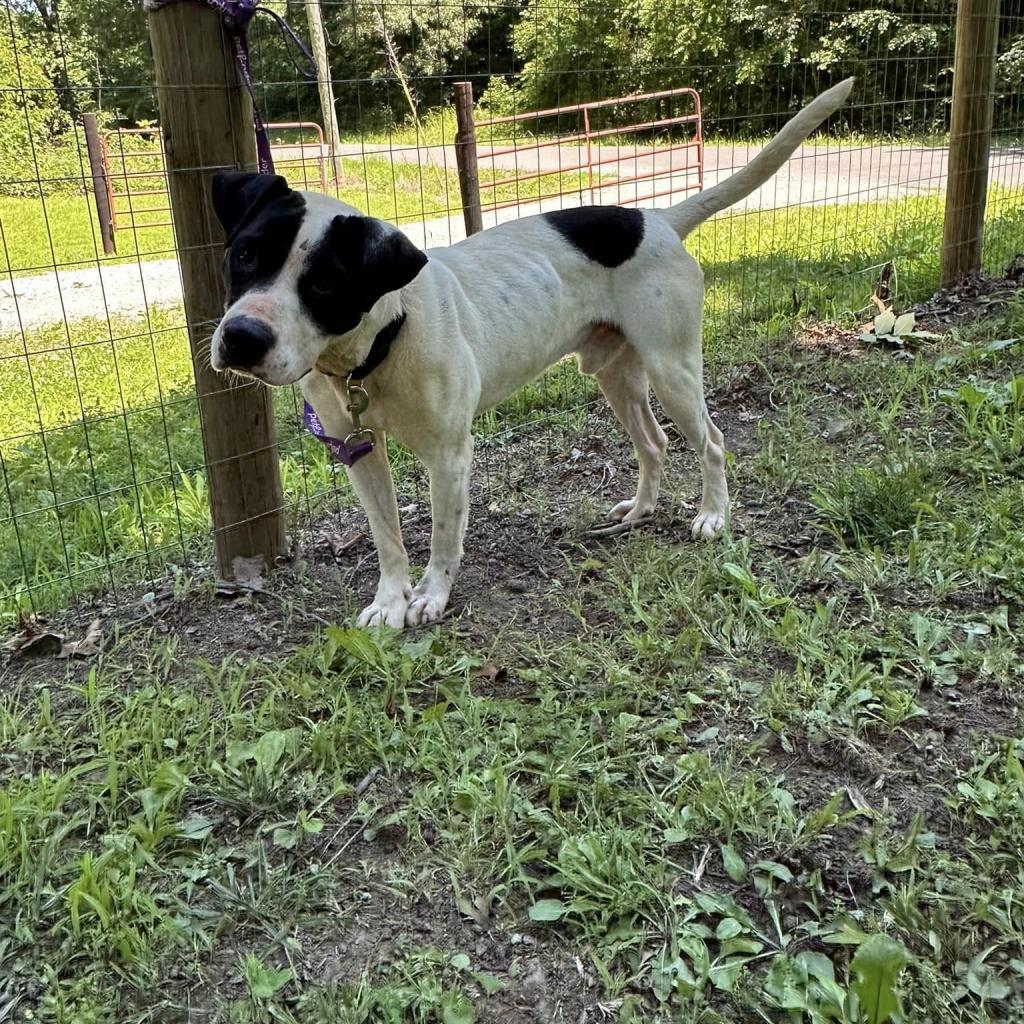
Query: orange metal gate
{"type": "Point", "coordinates": [666, 157]}
{"type": "Point", "coordinates": [136, 179]}
{"type": "Point", "coordinates": [130, 176]}
{"type": "Point", "coordinates": [668, 160]}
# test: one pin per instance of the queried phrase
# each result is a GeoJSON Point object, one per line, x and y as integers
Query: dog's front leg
{"type": "Point", "coordinates": [374, 486]}
{"type": "Point", "coordinates": [449, 467]}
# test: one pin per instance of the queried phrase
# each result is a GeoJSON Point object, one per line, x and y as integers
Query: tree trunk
{"type": "Point", "coordinates": [318, 46]}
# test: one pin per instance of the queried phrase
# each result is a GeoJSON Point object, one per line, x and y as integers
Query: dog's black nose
{"type": "Point", "coordinates": [245, 341]}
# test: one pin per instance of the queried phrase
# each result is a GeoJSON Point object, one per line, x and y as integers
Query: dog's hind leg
{"type": "Point", "coordinates": [680, 390]}
{"type": "Point", "coordinates": [624, 383]}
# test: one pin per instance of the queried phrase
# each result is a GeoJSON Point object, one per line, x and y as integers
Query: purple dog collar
{"type": "Point", "coordinates": [345, 453]}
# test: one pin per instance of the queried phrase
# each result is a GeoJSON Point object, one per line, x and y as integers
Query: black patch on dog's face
{"type": "Point", "coordinates": [608, 235]}
{"type": "Point", "coordinates": [358, 260]}
{"type": "Point", "coordinates": [261, 217]}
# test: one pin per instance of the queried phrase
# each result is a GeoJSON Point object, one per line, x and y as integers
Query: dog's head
{"type": "Point", "coordinates": [301, 271]}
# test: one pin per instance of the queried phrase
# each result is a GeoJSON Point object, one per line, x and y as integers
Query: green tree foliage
{"type": "Point", "coordinates": [28, 102]}
{"type": "Point", "coordinates": [754, 61]}
{"type": "Point", "coordinates": [373, 44]}
{"type": "Point", "coordinates": [100, 55]}
{"type": "Point", "coordinates": [110, 44]}
{"type": "Point", "coordinates": [768, 56]}
{"type": "Point", "coordinates": [33, 124]}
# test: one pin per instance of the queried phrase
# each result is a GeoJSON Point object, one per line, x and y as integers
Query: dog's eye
{"type": "Point", "coordinates": [321, 286]}
{"type": "Point", "coordinates": [245, 258]}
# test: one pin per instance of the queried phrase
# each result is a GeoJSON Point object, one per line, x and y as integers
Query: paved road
{"type": "Point", "coordinates": [815, 175]}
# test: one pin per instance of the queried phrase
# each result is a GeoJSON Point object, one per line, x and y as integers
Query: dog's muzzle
{"type": "Point", "coordinates": [244, 341]}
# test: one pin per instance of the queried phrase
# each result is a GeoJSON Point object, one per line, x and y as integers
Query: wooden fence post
{"type": "Point", "coordinates": [206, 121]}
{"type": "Point", "coordinates": [465, 158]}
{"type": "Point", "coordinates": [970, 138]}
{"type": "Point", "coordinates": [100, 182]}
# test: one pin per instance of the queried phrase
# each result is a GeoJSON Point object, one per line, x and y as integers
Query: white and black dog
{"type": "Point", "coordinates": [317, 290]}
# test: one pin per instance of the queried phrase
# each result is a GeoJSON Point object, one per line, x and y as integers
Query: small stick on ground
{"type": "Point", "coordinates": [367, 781]}
{"type": "Point", "coordinates": [614, 529]}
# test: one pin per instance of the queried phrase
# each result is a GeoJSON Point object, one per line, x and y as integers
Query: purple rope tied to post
{"type": "Point", "coordinates": [237, 14]}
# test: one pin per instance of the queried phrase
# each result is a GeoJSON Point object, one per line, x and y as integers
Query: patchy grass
{"type": "Point", "coordinates": [101, 459]}
{"type": "Point", "coordinates": [93, 501]}
{"type": "Point", "coordinates": [672, 782]}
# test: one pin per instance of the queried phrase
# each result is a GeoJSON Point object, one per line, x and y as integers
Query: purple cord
{"type": "Point", "coordinates": [237, 14]}
{"type": "Point", "coordinates": [347, 455]}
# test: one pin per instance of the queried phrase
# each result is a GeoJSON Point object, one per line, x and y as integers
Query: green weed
{"type": "Point", "coordinates": [868, 507]}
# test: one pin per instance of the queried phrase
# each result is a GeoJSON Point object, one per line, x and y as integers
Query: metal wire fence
{"type": "Point", "coordinates": [102, 481]}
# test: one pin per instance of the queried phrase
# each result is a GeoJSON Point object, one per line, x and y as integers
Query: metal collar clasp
{"type": "Point", "coordinates": [358, 403]}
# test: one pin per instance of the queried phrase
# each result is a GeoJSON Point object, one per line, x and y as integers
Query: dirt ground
{"type": "Point", "coordinates": [531, 504]}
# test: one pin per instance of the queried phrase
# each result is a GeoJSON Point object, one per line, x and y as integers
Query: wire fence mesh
{"type": "Point", "coordinates": [101, 452]}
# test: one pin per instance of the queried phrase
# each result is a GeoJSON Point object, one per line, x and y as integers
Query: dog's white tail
{"type": "Point", "coordinates": [694, 211]}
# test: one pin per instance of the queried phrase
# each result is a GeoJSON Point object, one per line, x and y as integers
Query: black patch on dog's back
{"type": "Point", "coordinates": [608, 235]}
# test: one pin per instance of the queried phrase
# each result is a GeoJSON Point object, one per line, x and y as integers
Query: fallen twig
{"type": "Point", "coordinates": [614, 529]}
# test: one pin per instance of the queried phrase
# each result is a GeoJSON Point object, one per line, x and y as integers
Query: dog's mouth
{"type": "Point", "coordinates": [246, 375]}
{"type": "Point", "coordinates": [265, 377]}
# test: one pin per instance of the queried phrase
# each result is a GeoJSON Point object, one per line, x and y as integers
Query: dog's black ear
{"type": "Point", "coordinates": [239, 195]}
{"type": "Point", "coordinates": [383, 257]}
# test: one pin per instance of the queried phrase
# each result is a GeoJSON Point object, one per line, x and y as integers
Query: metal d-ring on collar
{"type": "Point", "coordinates": [360, 440]}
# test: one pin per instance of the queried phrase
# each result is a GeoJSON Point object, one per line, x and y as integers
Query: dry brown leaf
{"type": "Point", "coordinates": [857, 799]}
{"type": "Point", "coordinates": [338, 545]}
{"type": "Point", "coordinates": [87, 646]}
{"type": "Point", "coordinates": [491, 672]}
{"type": "Point", "coordinates": [35, 644]}
{"type": "Point", "coordinates": [478, 909]}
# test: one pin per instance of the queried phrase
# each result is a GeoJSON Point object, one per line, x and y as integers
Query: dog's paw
{"type": "Point", "coordinates": [706, 525]}
{"type": "Point", "coordinates": [384, 611]}
{"type": "Point", "coordinates": [426, 606]}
